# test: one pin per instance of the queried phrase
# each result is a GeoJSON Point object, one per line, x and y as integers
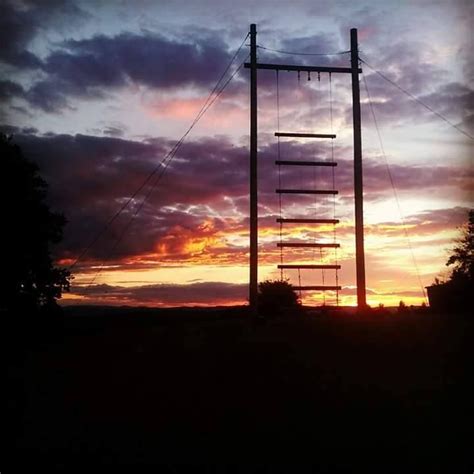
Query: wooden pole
{"type": "Point", "coordinates": [253, 286]}
{"type": "Point", "coordinates": [358, 181]}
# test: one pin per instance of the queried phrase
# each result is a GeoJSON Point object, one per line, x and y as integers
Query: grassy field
{"type": "Point", "coordinates": [313, 393]}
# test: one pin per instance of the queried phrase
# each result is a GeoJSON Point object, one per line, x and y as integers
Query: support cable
{"type": "Point", "coordinates": [416, 99]}
{"type": "Point", "coordinates": [169, 156]}
{"type": "Point", "coordinates": [395, 193]}
{"type": "Point", "coordinates": [302, 54]}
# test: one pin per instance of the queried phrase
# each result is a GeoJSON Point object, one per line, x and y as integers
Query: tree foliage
{"type": "Point", "coordinates": [462, 256]}
{"type": "Point", "coordinates": [28, 277]}
{"type": "Point", "coordinates": [277, 296]}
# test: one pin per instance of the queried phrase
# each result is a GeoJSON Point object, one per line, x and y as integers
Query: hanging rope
{"type": "Point", "coordinates": [299, 281]}
{"type": "Point", "coordinates": [315, 168]}
{"type": "Point", "coordinates": [333, 187]}
{"type": "Point", "coordinates": [322, 272]}
{"type": "Point", "coordinates": [279, 171]}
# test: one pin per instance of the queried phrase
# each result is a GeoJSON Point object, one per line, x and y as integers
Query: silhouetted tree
{"type": "Point", "coordinates": [402, 307]}
{"type": "Point", "coordinates": [28, 278]}
{"type": "Point", "coordinates": [462, 257]}
{"type": "Point", "coordinates": [455, 295]}
{"type": "Point", "coordinates": [276, 296]}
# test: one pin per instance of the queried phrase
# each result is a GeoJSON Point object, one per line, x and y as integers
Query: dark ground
{"type": "Point", "coordinates": [314, 393]}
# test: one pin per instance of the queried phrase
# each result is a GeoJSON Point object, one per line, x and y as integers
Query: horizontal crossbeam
{"type": "Point", "coordinates": [307, 221]}
{"type": "Point", "coordinates": [306, 191]}
{"type": "Point", "coordinates": [317, 288]}
{"type": "Point", "coordinates": [307, 245]}
{"type": "Point", "coordinates": [305, 163]}
{"type": "Point", "coordinates": [304, 135]}
{"type": "Point", "coordinates": [295, 67]}
{"type": "Point", "coordinates": [310, 267]}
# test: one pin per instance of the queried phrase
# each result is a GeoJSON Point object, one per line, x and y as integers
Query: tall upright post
{"type": "Point", "coordinates": [358, 184]}
{"type": "Point", "coordinates": [253, 286]}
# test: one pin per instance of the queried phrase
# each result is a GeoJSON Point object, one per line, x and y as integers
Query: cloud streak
{"type": "Point", "coordinates": [193, 294]}
{"type": "Point", "coordinates": [200, 207]}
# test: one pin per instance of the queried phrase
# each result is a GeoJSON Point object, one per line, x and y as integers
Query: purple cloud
{"type": "Point", "coordinates": [91, 177]}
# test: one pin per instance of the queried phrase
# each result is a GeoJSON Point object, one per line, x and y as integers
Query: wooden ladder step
{"type": "Point", "coordinates": [306, 191]}
{"type": "Point", "coordinates": [317, 288]}
{"type": "Point", "coordinates": [307, 221]}
{"type": "Point", "coordinates": [305, 163]}
{"type": "Point", "coordinates": [310, 267]}
{"type": "Point", "coordinates": [307, 245]}
{"type": "Point", "coordinates": [304, 135]}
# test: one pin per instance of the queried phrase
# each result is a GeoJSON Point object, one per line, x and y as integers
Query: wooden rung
{"type": "Point", "coordinates": [317, 288]}
{"type": "Point", "coordinates": [307, 245]}
{"type": "Point", "coordinates": [305, 163]}
{"type": "Point", "coordinates": [308, 221]}
{"type": "Point", "coordinates": [310, 267]}
{"type": "Point", "coordinates": [304, 135]}
{"type": "Point", "coordinates": [305, 191]}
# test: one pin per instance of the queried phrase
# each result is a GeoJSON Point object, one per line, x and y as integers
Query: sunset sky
{"type": "Point", "coordinates": [97, 93]}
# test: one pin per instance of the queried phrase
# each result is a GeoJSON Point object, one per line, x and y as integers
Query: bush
{"type": "Point", "coordinates": [402, 308]}
{"type": "Point", "coordinates": [276, 297]}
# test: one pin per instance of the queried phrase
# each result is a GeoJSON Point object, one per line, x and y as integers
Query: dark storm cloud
{"type": "Point", "coordinates": [9, 89]}
{"type": "Point", "coordinates": [409, 66]}
{"type": "Point", "coordinates": [87, 68]}
{"type": "Point", "coordinates": [49, 96]}
{"type": "Point", "coordinates": [114, 131]}
{"type": "Point", "coordinates": [453, 101]}
{"type": "Point", "coordinates": [435, 220]}
{"type": "Point", "coordinates": [204, 192]}
{"type": "Point", "coordinates": [148, 59]}
{"type": "Point", "coordinates": [17, 29]}
{"type": "Point", "coordinates": [20, 22]}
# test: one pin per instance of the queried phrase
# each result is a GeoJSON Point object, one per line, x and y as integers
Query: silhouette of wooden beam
{"type": "Point", "coordinates": [305, 191]}
{"type": "Point", "coordinates": [296, 67]}
{"type": "Point", "coordinates": [317, 288]}
{"type": "Point", "coordinates": [307, 221]}
{"type": "Point", "coordinates": [304, 135]}
{"type": "Point", "coordinates": [305, 163]}
{"type": "Point", "coordinates": [307, 245]}
{"type": "Point", "coordinates": [310, 267]}
{"type": "Point", "coordinates": [253, 185]}
{"type": "Point", "coordinates": [358, 175]}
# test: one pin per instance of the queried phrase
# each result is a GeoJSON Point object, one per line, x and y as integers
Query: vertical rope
{"type": "Point", "coordinates": [322, 272]}
{"type": "Point", "coordinates": [333, 187]}
{"type": "Point", "coordinates": [316, 174]}
{"type": "Point", "coordinates": [279, 171]}
{"type": "Point", "coordinates": [299, 280]}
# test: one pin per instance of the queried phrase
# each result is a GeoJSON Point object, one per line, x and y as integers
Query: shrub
{"type": "Point", "coordinates": [402, 307]}
{"type": "Point", "coordinates": [277, 296]}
